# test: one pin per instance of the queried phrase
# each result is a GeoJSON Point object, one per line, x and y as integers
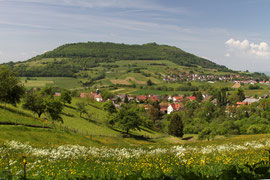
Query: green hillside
{"type": "Point", "coordinates": [22, 125]}
{"type": "Point", "coordinates": [69, 59]}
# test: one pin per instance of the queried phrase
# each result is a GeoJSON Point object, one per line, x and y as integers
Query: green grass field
{"type": "Point", "coordinates": [61, 82]}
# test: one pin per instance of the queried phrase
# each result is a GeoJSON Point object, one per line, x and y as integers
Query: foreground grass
{"type": "Point", "coordinates": [242, 157]}
{"type": "Point", "coordinates": [40, 137]}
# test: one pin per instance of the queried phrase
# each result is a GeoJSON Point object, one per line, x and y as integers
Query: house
{"type": "Point", "coordinates": [131, 98]}
{"type": "Point", "coordinates": [163, 107]}
{"type": "Point", "coordinates": [95, 96]}
{"type": "Point", "coordinates": [173, 107]}
{"type": "Point", "coordinates": [206, 97]}
{"type": "Point", "coordinates": [191, 98]}
{"type": "Point", "coordinates": [241, 103]}
{"type": "Point", "coordinates": [178, 98]}
{"type": "Point", "coordinates": [214, 101]}
{"type": "Point", "coordinates": [57, 94]}
{"type": "Point", "coordinates": [238, 104]}
{"type": "Point", "coordinates": [169, 98]}
{"type": "Point", "coordinates": [142, 98]}
{"type": "Point", "coordinates": [117, 106]}
{"type": "Point", "coordinates": [121, 96]}
{"type": "Point", "coordinates": [250, 100]}
{"type": "Point", "coordinates": [154, 98]}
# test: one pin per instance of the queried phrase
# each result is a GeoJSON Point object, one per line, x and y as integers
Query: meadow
{"type": "Point", "coordinates": [239, 157]}
{"type": "Point", "coordinates": [61, 82]}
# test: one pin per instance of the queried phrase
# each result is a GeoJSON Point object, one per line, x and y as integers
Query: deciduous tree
{"type": "Point", "coordinates": [11, 90]}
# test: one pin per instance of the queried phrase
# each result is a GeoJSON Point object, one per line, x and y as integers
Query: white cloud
{"type": "Point", "coordinates": [1, 53]}
{"type": "Point", "coordinates": [247, 49]}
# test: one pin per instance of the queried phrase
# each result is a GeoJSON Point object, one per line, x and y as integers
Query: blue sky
{"type": "Point", "coordinates": [229, 32]}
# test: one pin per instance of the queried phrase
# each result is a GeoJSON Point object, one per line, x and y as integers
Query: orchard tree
{"type": "Point", "coordinates": [11, 90]}
{"type": "Point", "coordinates": [66, 97]}
{"type": "Point", "coordinates": [153, 113]}
{"type": "Point", "coordinates": [176, 125]}
{"type": "Point", "coordinates": [207, 133]}
{"type": "Point", "coordinates": [109, 107]}
{"type": "Point", "coordinates": [34, 102]}
{"type": "Point", "coordinates": [81, 108]}
{"type": "Point", "coordinates": [40, 103]}
{"type": "Point", "coordinates": [128, 118]}
{"type": "Point", "coordinates": [54, 108]}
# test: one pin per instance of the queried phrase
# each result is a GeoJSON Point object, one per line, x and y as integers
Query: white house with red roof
{"type": "Point", "coordinates": [95, 96]}
{"type": "Point", "coordinates": [173, 107]}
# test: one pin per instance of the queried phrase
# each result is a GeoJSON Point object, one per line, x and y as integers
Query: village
{"type": "Point", "coordinates": [212, 78]}
{"type": "Point", "coordinates": [167, 104]}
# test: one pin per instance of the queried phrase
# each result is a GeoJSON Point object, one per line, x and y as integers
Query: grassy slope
{"type": "Point", "coordinates": [99, 135]}
{"type": "Point", "coordinates": [42, 137]}
{"type": "Point", "coordinates": [95, 129]}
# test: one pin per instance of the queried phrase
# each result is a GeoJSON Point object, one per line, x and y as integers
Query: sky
{"type": "Point", "coordinates": [228, 32]}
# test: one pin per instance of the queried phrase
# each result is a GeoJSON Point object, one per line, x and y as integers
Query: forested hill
{"type": "Point", "coordinates": [112, 52]}
{"type": "Point", "coordinates": [71, 58]}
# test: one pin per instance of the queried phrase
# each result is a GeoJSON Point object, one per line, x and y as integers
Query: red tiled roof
{"type": "Point", "coordinates": [95, 95]}
{"type": "Point", "coordinates": [154, 98]}
{"type": "Point", "coordinates": [57, 94]}
{"type": "Point", "coordinates": [241, 103]}
{"type": "Point", "coordinates": [83, 95]}
{"type": "Point", "coordinates": [178, 97]}
{"type": "Point", "coordinates": [92, 95]}
{"type": "Point", "coordinates": [142, 97]}
{"type": "Point", "coordinates": [191, 97]}
{"type": "Point", "coordinates": [163, 109]}
{"type": "Point", "coordinates": [176, 107]}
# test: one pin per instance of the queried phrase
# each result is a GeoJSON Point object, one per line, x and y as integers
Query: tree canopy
{"type": "Point", "coordinates": [11, 90]}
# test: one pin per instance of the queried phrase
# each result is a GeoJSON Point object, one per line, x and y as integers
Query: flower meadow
{"type": "Point", "coordinates": [248, 160]}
